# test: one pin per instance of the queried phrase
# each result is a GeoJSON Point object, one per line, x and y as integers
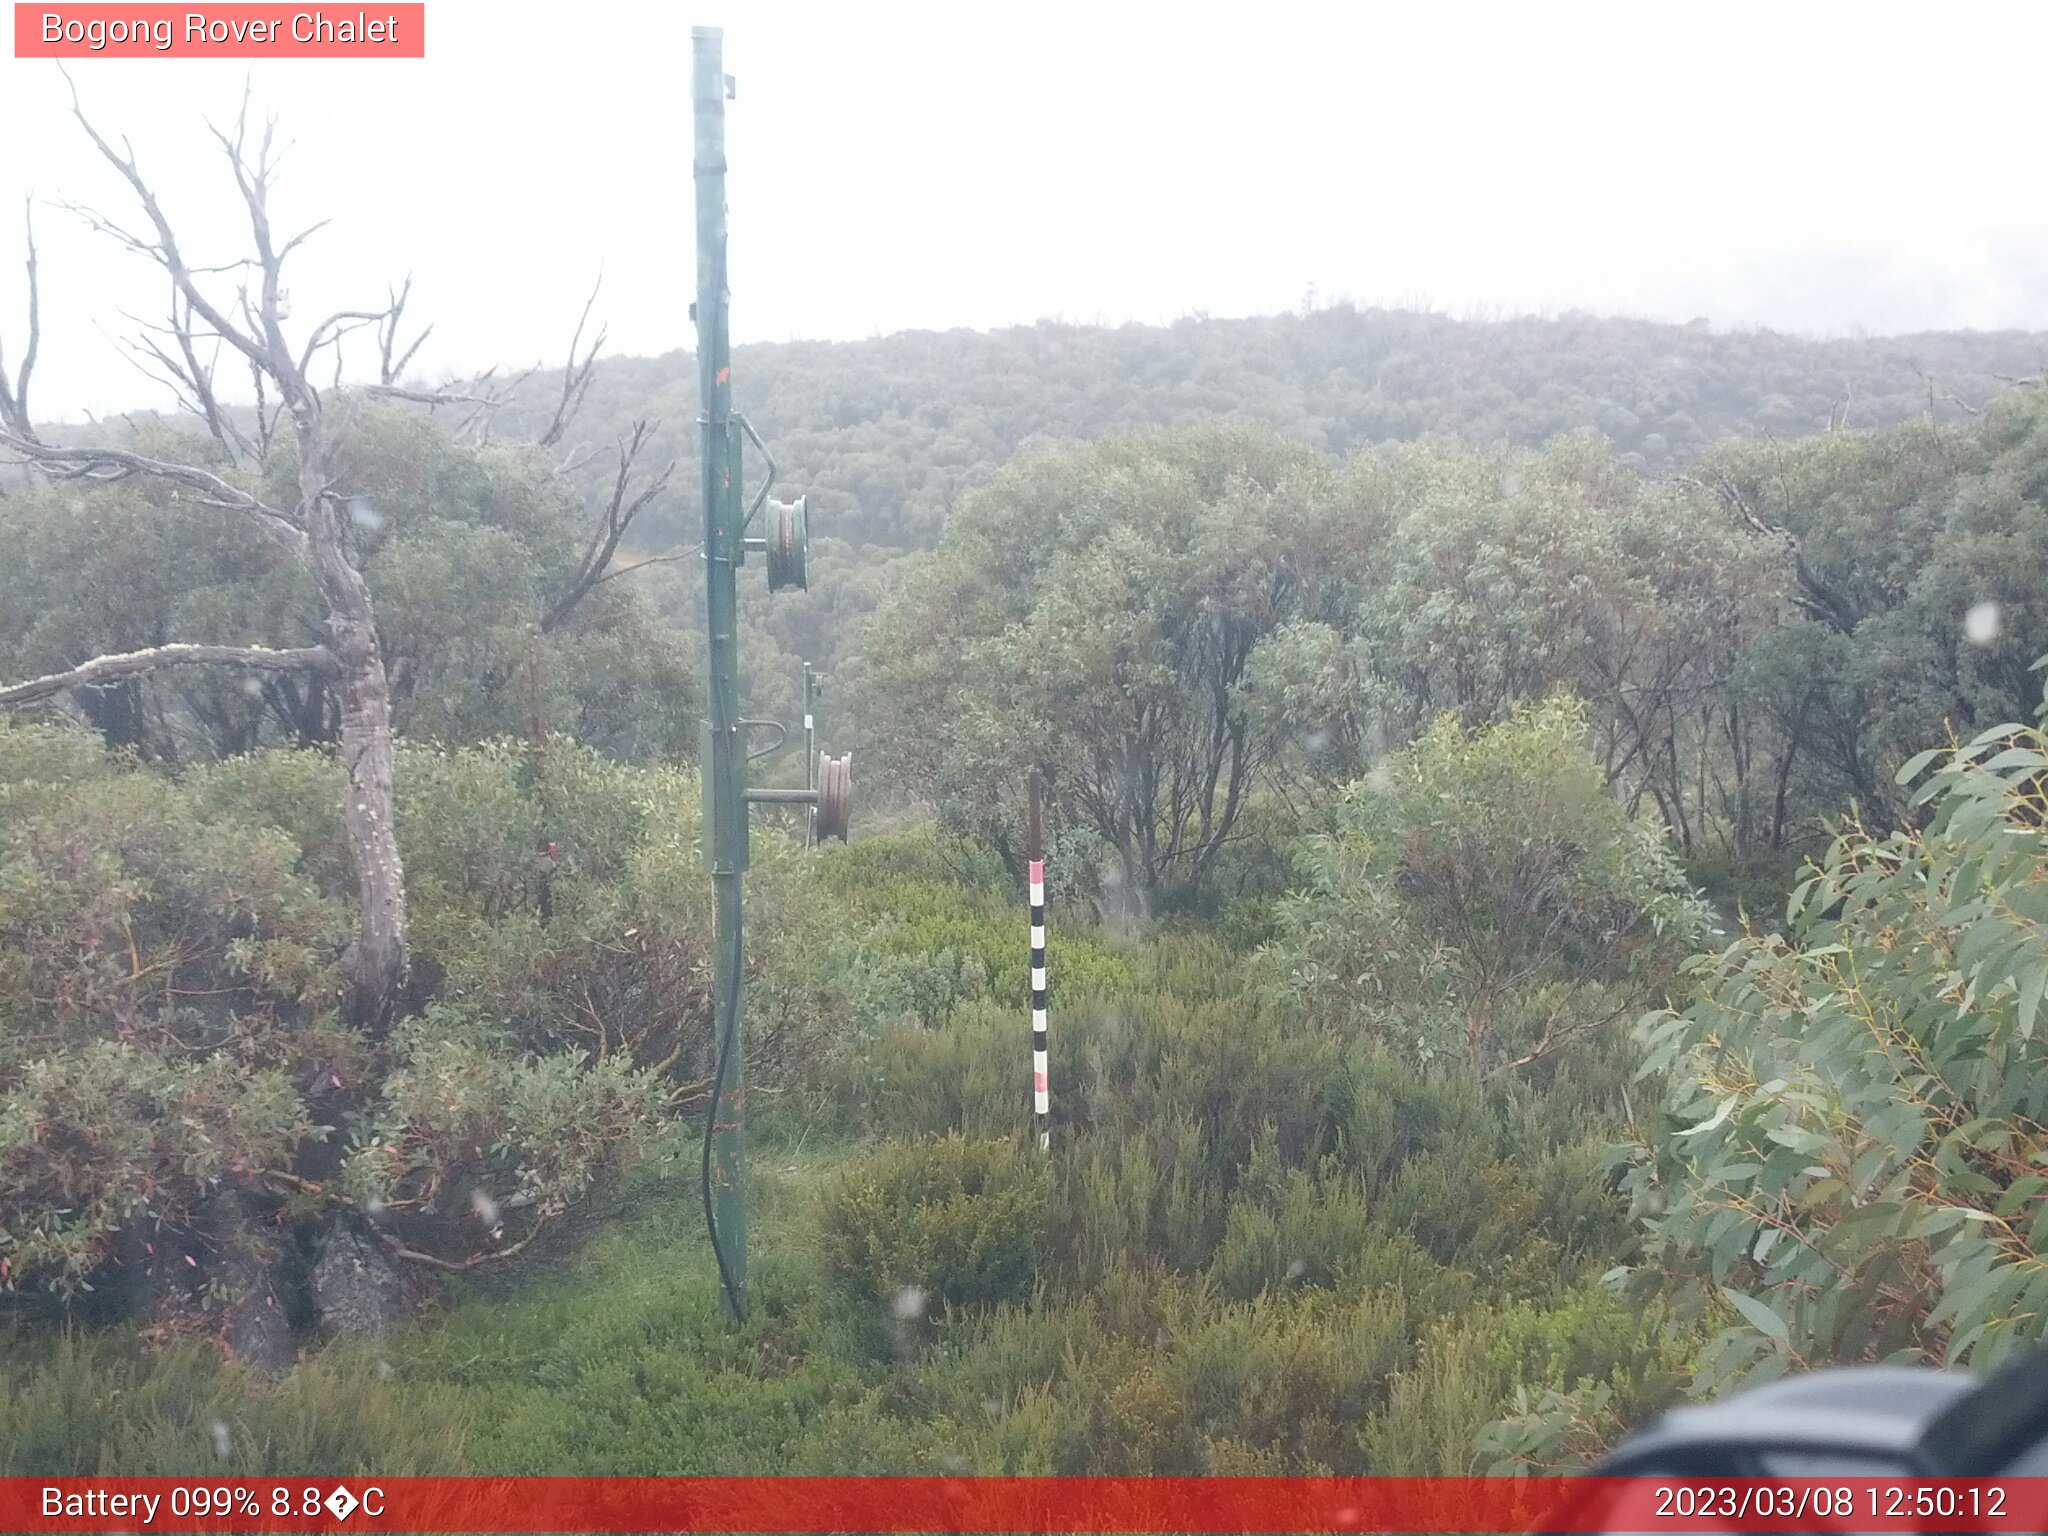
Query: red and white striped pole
{"type": "Point", "coordinates": [1041, 1094]}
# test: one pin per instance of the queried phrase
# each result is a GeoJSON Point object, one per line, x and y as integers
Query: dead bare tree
{"type": "Point", "coordinates": [595, 568]}
{"type": "Point", "coordinates": [182, 352]}
{"type": "Point", "coordinates": [311, 526]}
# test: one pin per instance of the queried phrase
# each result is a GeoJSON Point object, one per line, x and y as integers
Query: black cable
{"type": "Point", "coordinates": [732, 1292]}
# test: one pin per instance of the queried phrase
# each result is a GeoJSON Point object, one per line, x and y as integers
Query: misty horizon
{"type": "Point", "coordinates": [917, 170]}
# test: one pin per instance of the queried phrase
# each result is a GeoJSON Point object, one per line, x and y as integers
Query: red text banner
{"type": "Point", "coordinates": [224, 31]}
{"type": "Point", "coordinates": [1082, 1504]}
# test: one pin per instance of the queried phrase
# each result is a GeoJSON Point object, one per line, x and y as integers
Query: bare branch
{"type": "Point", "coordinates": [1812, 594]}
{"type": "Point", "coordinates": [456, 1266]}
{"type": "Point", "coordinates": [266, 413]}
{"type": "Point", "coordinates": [330, 331]}
{"type": "Point", "coordinates": [301, 238]}
{"type": "Point", "coordinates": [164, 250]}
{"type": "Point", "coordinates": [432, 396]}
{"type": "Point", "coordinates": [640, 565]}
{"type": "Point", "coordinates": [99, 466]}
{"type": "Point", "coordinates": [391, 363]}
{"type": "Point", "coordinates": [611, 527]}
{"type": "Point", "coordinates": [102, 670]}
{"type": "Point", "coordinates": [14, 397]}
{"type": "Point", "coordinates": [576, 458]}
{"type": "Point", "coordinates": [576, 376]}
{"type": "Point", "coordinates": [189, 380]}
{"type": "Point", "coordinates": [476, 426]}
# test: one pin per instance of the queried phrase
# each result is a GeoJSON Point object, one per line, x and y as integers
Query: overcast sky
{"type": "Point", "coordinates": [1811, 167]}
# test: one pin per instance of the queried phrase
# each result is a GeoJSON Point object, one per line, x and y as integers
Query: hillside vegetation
{"type": "Point", "coordinates": [888, 435]}
{"type": "Point", "coordinates": [1546, 918]}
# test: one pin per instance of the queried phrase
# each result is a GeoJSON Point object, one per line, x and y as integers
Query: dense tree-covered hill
{"type": "Point", "coordinates": [887, 432]}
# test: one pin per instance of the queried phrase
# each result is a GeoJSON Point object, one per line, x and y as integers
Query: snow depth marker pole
{"type": "Point", "coordinates": [1041, 1096]}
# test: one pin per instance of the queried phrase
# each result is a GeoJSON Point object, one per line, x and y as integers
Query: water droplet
{"type": "Point", "coordinates": [1982, 624]}
{"type": "Point", "coordinates": [253, 687]}
{"type": "Point", "coordinates": [223, 1442]}
{"type": "Point", "coordinates": [385, 1370]}
{"type": "Point", "coordinates": [1296, 1269]}
{"type": "Point", "coordinates": [364, 514]}
{"type": "Point", "coordinates": [373, 1206]}
{"type": "Point", "coordinates": [910, 1302]}
{"type": "Point", "coordinates": [485, 1207]}
{"type": "Point", "coordinates": [991, 1407]}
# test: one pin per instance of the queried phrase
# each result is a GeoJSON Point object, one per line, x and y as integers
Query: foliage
{"type": "Point", "coordinates": [171, 1058]}
{"type": "Point", "coordinates": [166, 992]}
{"type": "Point", "coordinates": [1094, 612]}
{"type": "Point", "coordinates": [1854, 1124]}
{"type": "Point", "coordinates": [465, 1124]}
{"type": "Point", "coordinates": [927, 941]}
{"type": "Point", "coordinates": [1274, 1236]}
{"type": "Point", "coordinates": [1483, 893]}
{"type": "Point", "coordinates": [948, 1222]}
{"type": "Point", "coordinates": [1922, 557]}
{"type": "Point", "coordinates": [1244, 1255]}
{"type": "Point", "coordinates": [893, 431]}
{"type": "Point", "coordinates": [464, 550]}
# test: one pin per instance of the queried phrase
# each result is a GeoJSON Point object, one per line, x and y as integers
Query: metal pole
{"type": "Point", "coordinates": [1041, 1095]}
{"type": "Point", "coordinates": [810, 755]}
{"type": "Point", "coordinates": [724, 764]}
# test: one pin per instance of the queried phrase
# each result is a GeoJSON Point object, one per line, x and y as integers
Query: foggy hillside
{"type": "Point", "coordinates": [885, 433]}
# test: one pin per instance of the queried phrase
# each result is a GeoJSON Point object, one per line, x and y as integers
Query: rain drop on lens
{"type": "Point", "coordinates": [485, 1207]}
{"type": "Point", "coordinates": [1981, 625]}
{"type": "Point", "coordinates": [910, 1302]}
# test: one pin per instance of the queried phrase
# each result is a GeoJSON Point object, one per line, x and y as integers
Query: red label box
{"type": "Point", "coordinates": [224, 31]}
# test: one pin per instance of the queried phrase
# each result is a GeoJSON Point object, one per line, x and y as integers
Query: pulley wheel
{"type": "Point", "coordinates": [788, 541]}
{"type": "Point", "coordinates": [835, 795]}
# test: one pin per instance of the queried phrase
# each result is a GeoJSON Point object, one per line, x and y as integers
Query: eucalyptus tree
{"type": "Point", "coordinates": [1095, 612]}
{"type": "Point", "coordinates": [1919, 561]}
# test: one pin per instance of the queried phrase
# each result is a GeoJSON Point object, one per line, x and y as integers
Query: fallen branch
{"type": "Point", "coordinates": [102, 670]}
{"type": "Point", "coordinates": [454, 1266]}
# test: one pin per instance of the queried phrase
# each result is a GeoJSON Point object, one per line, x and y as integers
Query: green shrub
{"type": "Point", "coordinates": [1437, 1409]}
{"type": "Point", "coordinates": [946, 1222]}
{"type": "Point", "coordinates": [1310, 1232]}
{"type": "Point", "coordinates": [1291, 1376]}
{"type": "Point", "coordinates": [169, 968]}
{"type": "Point", "coordinates": [1391, 1111]}
{"type": "Point", "coordinates": [1142, 1199]}
{"type": "Point", "coordinates": [1482, 897]}
{"type": "Point", "coordinates": [1474, 1212]}
{"type": "Point", "coordinates": [1581, 1372]}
